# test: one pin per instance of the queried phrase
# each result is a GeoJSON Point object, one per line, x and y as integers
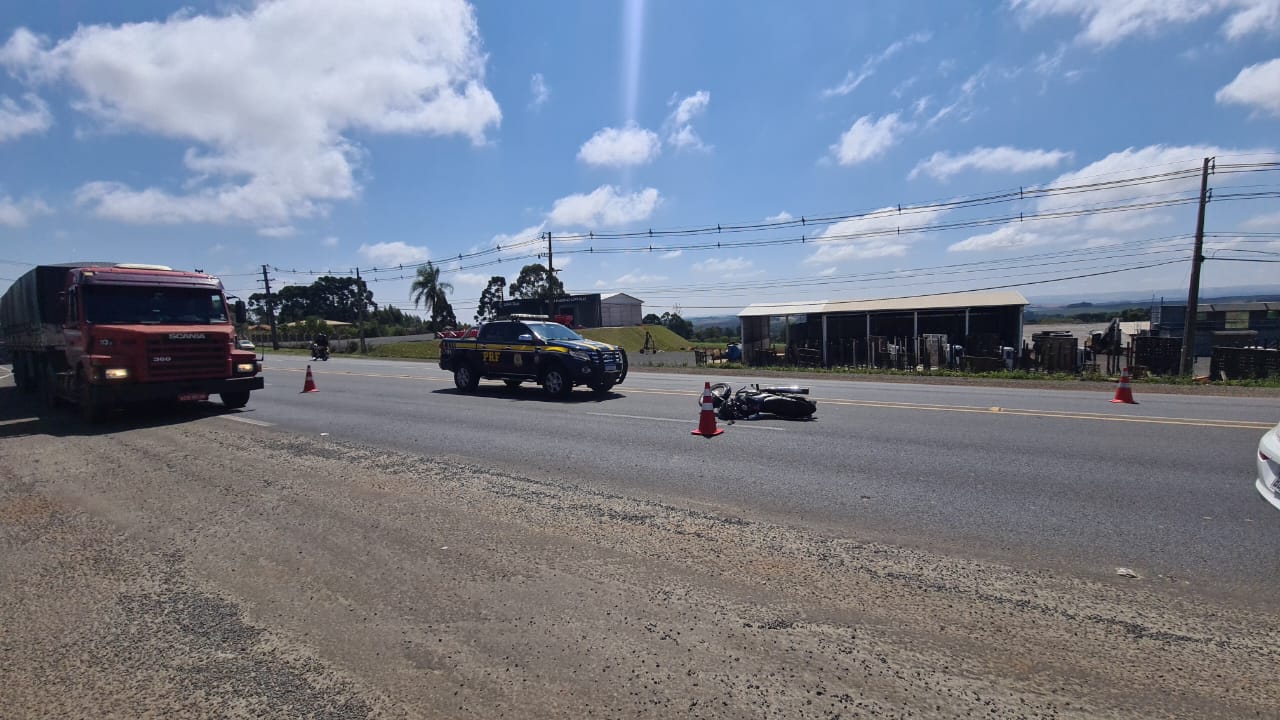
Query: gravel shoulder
{"type": "Point", "coordinates": [197, 567]}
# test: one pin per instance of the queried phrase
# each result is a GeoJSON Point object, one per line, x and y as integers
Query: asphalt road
{"type": "Point", "coordinates": [1053, 479]}
{"type": "Point", "coordinates": [388, 548]}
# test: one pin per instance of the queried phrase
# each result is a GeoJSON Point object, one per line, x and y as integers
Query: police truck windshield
{"type": "Point", "coordinates": [554, 331]}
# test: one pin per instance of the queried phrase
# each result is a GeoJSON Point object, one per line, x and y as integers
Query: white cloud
{"type": "Point", "coordinates": [738, 266]}
{"type": "Point", "coordinates": [1008, 237]}
{"type": "Point", "coordinates": [17, 213]}
{"type": "Point", "coordinates": [269, 95]}
{"type": "Point", "coordinates": [620, 147]}
{"type": "Point", "coordinates": [780, 217]}
{"type": "Point", "coordinates": [603, 207]}
{"type": "Point", "coordinates": [827, 272]}
{"type": "Point", "coordinates": [538, 88]}
{"type": "Point", "coordinates": [855, 78]}
{"type": "Point", "coordinates": [1267, 221]}
{"type": "Point", "coordinates": [671, 255]}
{"type": "Point", "coordinates": [463, 282]}
{"type": "Point", "coordinates": [942, 165]}
{"type": "Point", "coordinates": [679, 127]}
{"type": "Point", "coordinates": [278, 231]}
{"type": "Point", "coordinates": [871, 236]}
{"type": "Point", "coordinates": [919, 106]}
{"type": "Point", "coordinates": [387, 254]}
{"type": "Point", "coordinates": [1110, 21]}
{"type": "Point", "coordinates": [329, 242]}
{"type": "Point", "coordinates": [16, 120]}
{"type": "Point", "coordinates": [1253, 16]}
{"type": "Point", "coordinates": [1257, 86]}
{"type": "Point", "coordinates": [532, 232]}
{"type": "Point", "coordinates": [633, 279]}
{"type": "Point", "coordinates": [867, 139]}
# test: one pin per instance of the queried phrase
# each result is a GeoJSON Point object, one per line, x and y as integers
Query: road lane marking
{"type": "Point", "coordinates": [248, 421]}
{"type": "Point", "coordinates": [1059, 414]}
{"type": "Point", "coordinates": [1063, 414]}
{"type": "Point", "coordinates": [658, 419]}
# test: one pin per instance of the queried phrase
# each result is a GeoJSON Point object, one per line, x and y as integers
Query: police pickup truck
{"type": "Point", "coordinates": [542, 352]}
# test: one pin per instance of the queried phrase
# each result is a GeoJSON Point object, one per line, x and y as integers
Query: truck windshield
{"type": "Point", "coordinates": [554, 331]}
{"type": "Point", "coordinates": [123, 304]}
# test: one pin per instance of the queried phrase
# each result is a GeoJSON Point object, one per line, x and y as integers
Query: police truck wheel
{"type": "Point", "coordinates": [465, 378]}
{"type": "Point", "coordinates": [556, 383]}
{"type": "Point", "coordinates": [602, 388]}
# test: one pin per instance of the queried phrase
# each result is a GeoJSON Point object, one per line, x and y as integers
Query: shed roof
{"type": "Point", "coordinates": [942, 301]}
{"type": "Point", "coordinates": [620, 298]}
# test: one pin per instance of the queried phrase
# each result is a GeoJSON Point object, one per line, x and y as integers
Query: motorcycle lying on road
{"type": "Point", "coordinates": [319, 352]}
{"type": "Point", "coordinates": [753, 402]}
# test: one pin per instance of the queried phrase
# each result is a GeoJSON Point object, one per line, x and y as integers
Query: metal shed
{"type": "Point", "coordinates": [872, 333]}
{"type": "Point", "coordinates": [620, 309]}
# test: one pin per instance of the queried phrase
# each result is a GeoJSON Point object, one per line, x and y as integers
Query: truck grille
{"type": "Point", "coordinates": [186, 359]}
{"type": "Point", "coordinates": [610, 357]}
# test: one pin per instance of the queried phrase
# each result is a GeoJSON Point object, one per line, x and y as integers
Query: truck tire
{"type": "Point", "coordinates": [234, 400]}
{"type": "Point", "coordinates": [602, 387]}
{"type": "Point", "coordinates": [465, 378]}
{"type": "Point", "coordinates": [556, 382]}
{"type": "Point", "coordinates": [91, 410]}
{"type": "Point", "coordinates": [48, 386]}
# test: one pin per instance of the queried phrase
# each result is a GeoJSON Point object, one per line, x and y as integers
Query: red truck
{"type": "Point", "coordinates": [101, 335]}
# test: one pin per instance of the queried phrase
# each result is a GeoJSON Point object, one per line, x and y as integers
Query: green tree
{"type": "Point", "coordinates": [429, 291]}
{"type": "Point", "coordinates": [677, 325]}
{"type": "Point", "coordinates": [330, 298]}
{"type": "Point", "coordinates": [535, 282]}
{"type": "Point", "coordinates": [651, 319]}
{"type": "Point", "coordinates": [491, 299]}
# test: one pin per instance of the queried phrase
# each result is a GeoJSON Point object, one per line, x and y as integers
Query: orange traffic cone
{"type": "Point", "coordinates": [310, 384]}
{"type": "Point", "coordinates": [1124, 394]}
{"type": "Point", "coordinates": [707, 419]}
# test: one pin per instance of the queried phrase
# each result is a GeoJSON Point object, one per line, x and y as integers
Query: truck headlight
{"type": "Point", "coordinates": [116, 373]}
{"type": "Point", "coordinates": [244, 367]}
{"type": "Point", "coordinates": [580, 355]}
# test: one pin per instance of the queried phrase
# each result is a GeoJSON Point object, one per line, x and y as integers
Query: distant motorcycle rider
{"type": "Point", "coordinates": [320, 347]}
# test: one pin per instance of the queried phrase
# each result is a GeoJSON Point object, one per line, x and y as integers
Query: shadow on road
{"type": "Point", "coordinates": [533, 393]}
{"type": "Point", "coordinates": [22, 415]}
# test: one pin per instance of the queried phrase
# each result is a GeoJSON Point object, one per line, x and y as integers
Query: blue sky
{"type": "Point", "coordinates": [320, 135]}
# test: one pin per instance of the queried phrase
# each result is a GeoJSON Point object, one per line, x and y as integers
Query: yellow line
{"type": "Point", "coordinates": [1066, 415]}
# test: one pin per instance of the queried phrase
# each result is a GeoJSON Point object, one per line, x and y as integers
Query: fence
{"type": "Point", "coordinates": [1253, 363]}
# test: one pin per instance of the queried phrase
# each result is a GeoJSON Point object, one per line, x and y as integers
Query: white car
{"type": "Point", "coordinates": [1269, 466]}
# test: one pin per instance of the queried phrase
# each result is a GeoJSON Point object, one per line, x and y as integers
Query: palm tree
{"type": "Point", "coordinates": [427, 288]}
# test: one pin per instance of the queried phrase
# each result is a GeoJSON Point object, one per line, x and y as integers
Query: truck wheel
{"type": "Point", "coordinates": [602, 388]}
{"type": "Point", "coordinates": [556, 383]}
{"type": "Point", "coordinates": [465, 378]}
{"type": "Point", "coordinates": [91, 410]}
{"type": "Point", "coordinates": [48, 386]}
{"type": "Point", "coordinates": [234, 400]}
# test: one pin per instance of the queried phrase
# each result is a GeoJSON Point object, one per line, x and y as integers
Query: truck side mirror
{"type": "Point", "coordinates": [242, 315]}
{"type": "Point", "coordinates": [525, 338]}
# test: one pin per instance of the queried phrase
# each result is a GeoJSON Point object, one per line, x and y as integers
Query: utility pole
{"type": "Point", "coordinates": [271, 309]}
{"type": "Point", "coordinates": [360, 290]}
{"type": "Point", "coordinates": [1193, 292]}
{"type": "Point", "coordinates": [551, 273]}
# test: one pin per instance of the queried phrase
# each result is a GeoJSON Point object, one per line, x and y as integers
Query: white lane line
{"type": "Point", "coordinates": [694, 421]}
{"type": "Point", "coordinates": [247, 421]}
